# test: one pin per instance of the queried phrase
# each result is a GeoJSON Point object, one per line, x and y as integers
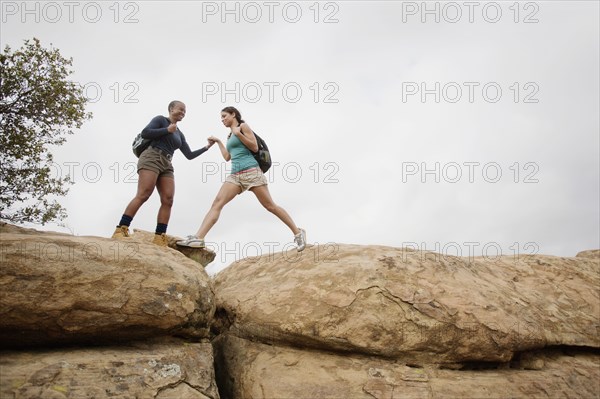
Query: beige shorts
{"type": "Point", "coordinates": [247, 179]}
{"type": "Point", "coordinates": [156, 161]}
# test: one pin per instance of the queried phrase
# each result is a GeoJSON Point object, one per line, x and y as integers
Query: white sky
{"type": "Point", "coordinates": [353, 146]}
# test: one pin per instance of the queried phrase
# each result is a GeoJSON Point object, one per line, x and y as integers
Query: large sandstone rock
{"type": "Point", "coordinates": [418, 307]}
{"type": "Point", "coordinates": [62, 289]}
{"type": "Point", "coordinates": [168, 369]}
{"type": "Point", "coordinates": [248, 369]}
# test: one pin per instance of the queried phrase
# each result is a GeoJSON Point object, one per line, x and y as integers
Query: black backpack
{"type": "Point", "coordinates": [140, 144]}
{"type": "Point", "coordinates": [262, 156]}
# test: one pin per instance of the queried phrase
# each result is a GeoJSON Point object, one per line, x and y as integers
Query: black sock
{"type": "Point", "coordinates": [161, 228]}
{"type": "Point", "coordinates": [125, 220]}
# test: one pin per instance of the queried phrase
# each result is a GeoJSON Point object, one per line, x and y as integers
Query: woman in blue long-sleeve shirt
{"type": "Point", "coordinates": [156, 170]}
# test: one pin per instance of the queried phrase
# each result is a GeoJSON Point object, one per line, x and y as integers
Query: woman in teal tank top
{"type": "Point", "coordinates": [245, 175]}
{"type": "Point", "coordinates": [241, 157]}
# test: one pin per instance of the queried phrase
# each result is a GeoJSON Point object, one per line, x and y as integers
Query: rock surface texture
{"type": "Point", "coordinates": [254, 370]}
{"type": "Point", "coordinates": [63, 289]}
{"type": "Point", "coordinates": [165, 369]}
{"type": "Point", "coordinates": [90, 317]}
{"type": "Point", "coordinates": [420, 318]}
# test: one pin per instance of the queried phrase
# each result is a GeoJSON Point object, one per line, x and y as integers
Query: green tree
{"type": "Point", "coordinates": [39, 106]}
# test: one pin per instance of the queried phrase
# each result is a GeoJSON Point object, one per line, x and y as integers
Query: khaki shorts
{"type": "Point", "coordinates": [156, 161]}
{"type": "Point", "coordinates": [247, 179]}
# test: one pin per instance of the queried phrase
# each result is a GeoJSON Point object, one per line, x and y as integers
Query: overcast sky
{"type": "Point", "coordinates": [467, 128]}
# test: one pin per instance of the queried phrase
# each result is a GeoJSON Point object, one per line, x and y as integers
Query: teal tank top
{"type": "Point", "coordinates": [241, 157]}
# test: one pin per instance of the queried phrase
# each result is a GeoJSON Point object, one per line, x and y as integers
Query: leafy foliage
{"type": "Point", "coordinates": [39, 106]}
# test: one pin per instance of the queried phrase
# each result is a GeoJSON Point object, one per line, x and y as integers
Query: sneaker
{"type": "Point", "coordinates": [160, 240]}
{"type": "Point", "coordinates": [192, 242]}
{"type": "Point", "coordinates": [121, 232]}
{"type": "Point", "coordinates": [300, 240]}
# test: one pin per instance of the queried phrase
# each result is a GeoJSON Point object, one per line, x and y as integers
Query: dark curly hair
{"type": "Point", "coordinates": [235, 112]}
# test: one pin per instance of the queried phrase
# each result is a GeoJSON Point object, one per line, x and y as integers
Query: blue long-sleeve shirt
{"type": "Point", "coordinates": [168, 142]}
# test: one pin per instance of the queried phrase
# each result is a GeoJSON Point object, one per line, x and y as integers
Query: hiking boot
{"type": "Point", "coordinates": [300, 240]}
{"type": "Point", "coordinates": [160, 240]}
{"type": "Point", "coordinates": [191, 242]}
{"type": "Point", "coordinates": [121, 232]}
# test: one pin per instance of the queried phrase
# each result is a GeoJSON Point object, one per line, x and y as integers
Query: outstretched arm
{"type": "Point", "coordinates": [222, 147]}
{"type": "Point", "coordinates": [189, 154]}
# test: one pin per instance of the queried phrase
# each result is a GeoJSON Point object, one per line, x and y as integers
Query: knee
{"type": "Point", "coordinates": [271, 207]}
{"type": "Point", "coordinates": [144, 195]}
{"type": "Point", "coordinates": [167, 200]}
{"type": "Point", "coordinates": [218, 204]}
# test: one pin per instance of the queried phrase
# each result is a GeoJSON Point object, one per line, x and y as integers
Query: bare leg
{"type": "Point", "coordinates": [227, 192]}
{"type": "Point", "coordinates": [166, 190]}
{"type": "Point", "coordinates": [146, 183]}
{"type": "Point", "coordinates": [264, 197]}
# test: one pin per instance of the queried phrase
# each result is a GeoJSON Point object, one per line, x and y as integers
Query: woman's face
{"type": "Point", "coordinates": [227, 118]}
{"type": "Point", "coordinates": [177, 113]}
